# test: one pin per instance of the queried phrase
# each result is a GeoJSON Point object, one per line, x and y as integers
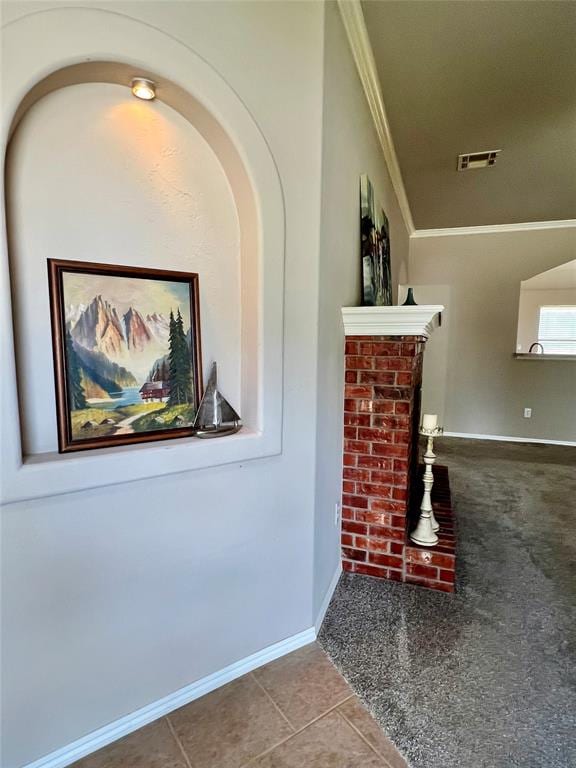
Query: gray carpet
{"type": "Point", "coordinates": [485, 678]}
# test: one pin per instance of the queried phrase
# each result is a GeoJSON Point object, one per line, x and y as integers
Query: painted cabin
{"type": "Point", "coordinates": [155, 390]}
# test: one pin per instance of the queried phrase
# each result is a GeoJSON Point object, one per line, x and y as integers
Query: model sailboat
{"type": "Point", "coordinates": [215, 416]}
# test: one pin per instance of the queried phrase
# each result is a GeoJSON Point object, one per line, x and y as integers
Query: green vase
{"type": "Point", "coordinates": [410, 299]}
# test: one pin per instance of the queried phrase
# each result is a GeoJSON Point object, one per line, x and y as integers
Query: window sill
{"type": "Point", "coordinates": [533, 356]}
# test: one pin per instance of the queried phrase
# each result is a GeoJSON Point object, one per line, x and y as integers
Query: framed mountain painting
{"type": "Point", "coordinates": [375, 248]}
{"type": "Point", "coordinates": [127, 357]}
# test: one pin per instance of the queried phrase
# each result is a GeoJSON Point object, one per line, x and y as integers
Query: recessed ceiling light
{"type": "Point", "coordinates": [143, 88]}
{"type": "Point", "coordinates": [478, 159]}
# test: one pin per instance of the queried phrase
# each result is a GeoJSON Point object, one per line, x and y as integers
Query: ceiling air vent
{"type": "Point", "coordinates": [477, 159]}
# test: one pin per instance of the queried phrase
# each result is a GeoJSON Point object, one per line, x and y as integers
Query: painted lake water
{"type": "Point", "coordinates": [127, 396]}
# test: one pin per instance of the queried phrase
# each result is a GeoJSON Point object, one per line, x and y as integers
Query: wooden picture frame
{"type": "Point", "coordinates": [127, 353]}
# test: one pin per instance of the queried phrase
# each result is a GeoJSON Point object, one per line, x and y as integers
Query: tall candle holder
{"type": "Point", "coordinates": [425, 532]}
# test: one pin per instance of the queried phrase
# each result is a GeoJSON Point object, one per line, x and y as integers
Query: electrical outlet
{"type": "Point", "coordinates": [527, 413]}
{"type": "Point", "coordinates": [337, 514]}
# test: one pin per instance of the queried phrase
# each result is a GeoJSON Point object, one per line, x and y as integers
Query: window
{"type": "Point", "coordinates": [557, 330]}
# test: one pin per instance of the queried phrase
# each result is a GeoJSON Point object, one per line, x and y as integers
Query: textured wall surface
{"type": "Point", "coordinates": [117, 596]}
{"type": "Point", "coordinates": [349, 148]}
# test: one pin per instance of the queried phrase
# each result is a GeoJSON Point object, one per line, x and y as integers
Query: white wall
{"type": "Point", "coordinates": [529, 311]}
{"type": "Point", "coordinates": [349, 148]}
{"type": "Point", "coordinates": [115, 597]}
{"type": "Point", "coordinates": [486, 388]}
{"type": "Point", "coordinates": [134, 184]}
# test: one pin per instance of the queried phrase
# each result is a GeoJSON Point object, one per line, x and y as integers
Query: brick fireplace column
{"type": "Point", "coordinates": [383, 376]}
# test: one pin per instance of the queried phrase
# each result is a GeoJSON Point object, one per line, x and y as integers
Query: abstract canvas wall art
{"type": "Point", "coordinates": [375, 248]}
{"type": "Point", "coordinates": [126, 353]}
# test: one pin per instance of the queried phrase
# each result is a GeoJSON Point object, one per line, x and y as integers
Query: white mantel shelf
{"type": "Point", "coordinates": [418, 320]}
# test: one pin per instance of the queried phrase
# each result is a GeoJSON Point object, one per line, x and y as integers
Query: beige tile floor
{"type": "Point", "coordinates": [297, 712]}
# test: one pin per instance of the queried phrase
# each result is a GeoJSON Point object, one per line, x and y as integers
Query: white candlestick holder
{"type": "Point", "coordinates": [425, 532]}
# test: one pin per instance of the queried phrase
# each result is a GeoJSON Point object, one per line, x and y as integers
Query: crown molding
{"type": "Point", "coordinates": [494, 228]}
{"type": "Point", "coordinates": [417, 320]}
{"type": "Point", "coordinates": [355, 26]}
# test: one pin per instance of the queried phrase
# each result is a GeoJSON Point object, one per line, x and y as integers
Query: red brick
{"type": "Point", "coordinates": [395, 575]}
{"type": "Point", "coordinates": [365, 348]}
{"type": "Point", "coordinates": [374, 462]}
{"type": "Point", "coordinates": [348, 565]}
{"type": "Point", "coordinates": [402, 406]}
{"type": "Point", "coordinates": [401, 437]}
{"type": "Point", "coordinates": [400, 479]}
{"type": "Point", "coordinates": [378, 545]}
{"type": "Point", "coordinates": [354, 554]}
{"type": "Point", "coordinates": [403, 379]}
{"type": "Point", "coordinates": [389, 393]}
{"type": "Point", "coordinates": [387, 505]}
{"type": "Point", "coordinates": [379, 476]}
{"type": "Point", "coordinates": [387, 449]}
{"type": "Point", "coordinates": [400, 494]}
{"type": "Point", "coordinates": [414, 555]}
{"type": "Point", "coordinates": [350, 473]}
{"type": "Point", "coordinates": [357, 419]}
{"type": "Point", "coordinates": [349, 460]}
{"type": "Point", "coordinates": [448, 576]}
{"type": "Point", "coordinates": [370, 570]}
{"type": "Point", "coordinates": [347, 513]}
{"type": "Point", "coordinates": [408, 349]}
{"type": "Point", "coordinates": [351, 347]}
{"type": "Point", "coordinates": [392, 364]}
{"type": "Point", "coordinates": [356, 446]}
{"type": "Point", "coordinates": [375, 489]}
{"type": "Point", "coordinates": [369, 516]}
{"type": "Point", "coordinates": [400, 465]}
{"type": "Point", "coordinates": [350, 405]}
{"type": "Point", "coordinates": [388, 560]}
{"type": "Point", "coordinates": [347, 539]}
{"type": "Point", "coordinates": [365, 406]}
{"type": "Point", "coordinates": [391, 422]}
{"type": "Point", "coordinates": [377, 377]}
{"type": "Point", "coordinates": [383, 406]}
{"type": "Point", "coordinates": [358, 502]}
{"type": "Point", "coordinates": [398, 521]}
{"type": "Point", "coordinates": [396, 548]}
{"type": "Point", "coordinates": [360, 542]}
{"type": "Point", "coordinates": [386, 348]}
{"type": "Point", "coordinates": [426, 571]}
{"type": "Point", "coordinates": [351, 377]}
{"type": "Point", "coordinates": [348, 486]}
{"type": "Point", "coordinates": [386, 533]}
{"type": "Point", "coordinates": [358, 362]}
{"type": "Point", "coordinates": [351, 433]}
{"type": "Point", "coordinates": [373, 434]}
{"type": "Point", "coordinates": [350, 527]}
{"type": "Point", "coordinates": [356, 391]}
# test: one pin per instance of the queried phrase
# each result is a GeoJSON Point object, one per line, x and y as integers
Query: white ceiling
{"type": "Point", "coordinates": [469, 76]}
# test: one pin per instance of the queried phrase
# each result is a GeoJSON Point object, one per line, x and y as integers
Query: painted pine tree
{"type": "Point", "coordinates": [180, 368]}
{"type": "Point", "coordinates": [76, 396]}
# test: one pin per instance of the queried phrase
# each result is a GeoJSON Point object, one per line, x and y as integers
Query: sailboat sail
{"type": "Point", "coordinates": [215, 415]}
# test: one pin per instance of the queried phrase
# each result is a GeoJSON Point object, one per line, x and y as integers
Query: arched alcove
{"type": "Point", "coordinates": [84, 111]}
{"type": "Point", "coordinates": [96, 175]}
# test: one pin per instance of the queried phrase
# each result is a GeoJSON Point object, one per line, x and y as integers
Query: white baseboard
{"type": "Point", "coordinates": [328, 596]}
{"type": "Point", "coordinates": [125, 725]}
{"type": "Point", "coordinates": [507, 439]}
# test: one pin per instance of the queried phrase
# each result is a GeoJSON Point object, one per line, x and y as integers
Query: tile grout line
{"type": "Point", "coordinates": [364, 739]}
{"type": "Point", "coordinates": [296, 733]}
{"type": "Point", "coordinates": [277, 706]}
{"type": "Point", "coordinates": [177, 740]}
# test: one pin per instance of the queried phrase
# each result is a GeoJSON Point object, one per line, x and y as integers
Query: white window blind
{"type": "Point", "coordinates": [557, 330]}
